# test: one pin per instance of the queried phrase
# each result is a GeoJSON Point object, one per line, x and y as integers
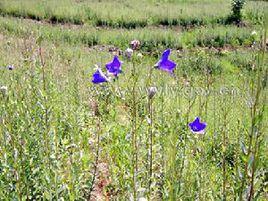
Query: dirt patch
{"type": "Point", "coordinates": [99, 191]}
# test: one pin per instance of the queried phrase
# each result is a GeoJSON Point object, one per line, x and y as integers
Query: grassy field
{"type": "Point", "coordinates": [128, 13]}
{"type": "Point", "coordinates": [64, 138]}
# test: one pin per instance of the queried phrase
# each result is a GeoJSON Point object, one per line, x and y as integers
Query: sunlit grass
{"type": "Point", "coordinates": [130, 14]}
{"type": "Point", "coordinates": [47, 128]}
{"type": "Point", "coordinates": [151, 38]}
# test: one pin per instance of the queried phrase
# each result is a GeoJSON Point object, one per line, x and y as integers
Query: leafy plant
{"type": "Point", "coordinates": [237, 6]}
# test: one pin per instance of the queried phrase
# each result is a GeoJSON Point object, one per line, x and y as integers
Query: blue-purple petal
{"type": "Point", "coordinates": [197, 126]}
{"type": "Point", "coordinates": [165, 64]}
{"type": "Point", "coordinates": [165, 54]}
{"type": "Point", "coordinates": [114, 66]}
{"type": "Point", "coordinates": [98, 77]}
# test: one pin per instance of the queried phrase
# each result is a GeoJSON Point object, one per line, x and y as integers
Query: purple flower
{"type": "Point", "coordinates": [197, 126]}
{"type": "Point", "coordinates": [164, 63]}
{"type": "Point", "coordinates": [98, 77]}
{"type": "Point", "coordinates": [114, 67]}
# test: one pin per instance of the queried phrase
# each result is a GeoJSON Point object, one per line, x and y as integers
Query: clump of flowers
{"type": "Point", "coordinates": [113, 68]}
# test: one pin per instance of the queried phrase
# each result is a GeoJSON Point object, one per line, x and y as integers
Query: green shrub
{"type": "Point", "coordinates": [236, 16]}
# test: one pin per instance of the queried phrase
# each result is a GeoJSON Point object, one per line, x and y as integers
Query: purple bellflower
{"type": "Point", "coordinates": [114, 67]}
{"type": "Point", "coordinates": [197, 127]}
{"type": "Point", "coordinates": [164, 63]}
{"type": "Point", "coordinates": [99, 77]}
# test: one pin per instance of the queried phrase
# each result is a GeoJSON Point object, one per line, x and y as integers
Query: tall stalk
{"type": "Point", "coordinates": [150, 134]}
{"type": "Point", "coordinates": [224, 147]}
{"type": "Point", "coordinates": [257, 121]}
{"type": "Point", "coordinates": [191, 102]}
{"type": "Point", "coordinates": [162, 137]}
{"type": "Point", "coordinates": [225, 111]}
{"type": "Point", "coordinates": [96, 162]}
{"type": "Point", "coordinates": [150, 107]}
{"type": "Point", "coordinates": [134, 129]}
{"type": "Point", "coordinates": [256, 116]}
{"type": "Point", "coordinates": [97, 115]}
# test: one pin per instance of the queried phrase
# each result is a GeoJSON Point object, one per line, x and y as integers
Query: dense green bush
{"type": "Point", "coordinates": [236, 15]}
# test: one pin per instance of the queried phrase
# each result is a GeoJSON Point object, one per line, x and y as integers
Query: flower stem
{"type": "Point", "coordinates": [150, 135]}
{"type": "Point", "coordinates": [162, 137]}
{"type": "Point", "coordinates": [257, 120]}
{"type": "Point", "coordinates": [134, 132]}
{"type": "Point", "coordinates": [150, 151]}
{"type": "Point", "coordinates": [95, 168]}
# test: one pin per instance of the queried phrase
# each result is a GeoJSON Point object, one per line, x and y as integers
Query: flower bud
{"type": "Point", "coordinates": [135, 44]}
{"type": "Point", "coordinates": [151, 92]}
{"type": "Point", "coordinates": [254, 33]}
{"type": "Point", "coordinates": [3, 90]}
{"type": "Point", "coordinates": [128, 53]}
{"type": "Point", "coordinates": [139, 55]}
{"type": "Point", "coordinates": [10, 67]}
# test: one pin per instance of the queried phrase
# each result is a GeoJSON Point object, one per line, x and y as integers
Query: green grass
{"type": "Point", "coordinates": [151, 38]}
{"type": "Point", "coordinates": [129, 14]}
{"type": "Point", "coordinates": [48, 123]}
